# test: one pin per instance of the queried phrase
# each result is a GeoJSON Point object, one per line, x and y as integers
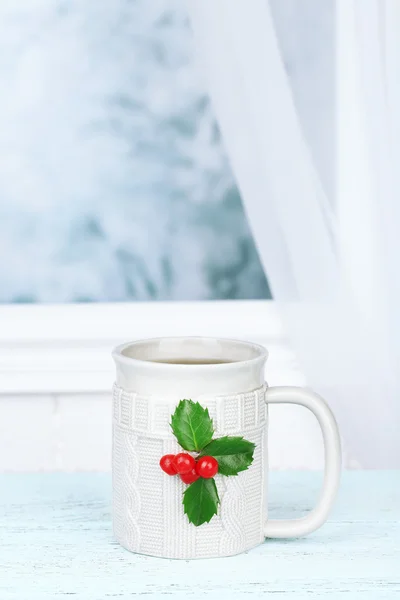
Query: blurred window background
{"type": "Point", "coordinates": [114, 183]}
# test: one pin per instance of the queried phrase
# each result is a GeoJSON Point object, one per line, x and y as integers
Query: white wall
{"type": "Point", "coordinates": [56, 373]}
{"type": "Point", "coordinates": [72, 432]}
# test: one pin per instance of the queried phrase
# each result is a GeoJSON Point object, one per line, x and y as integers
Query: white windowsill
{"type": "Point", "coordinates": [66, 348]}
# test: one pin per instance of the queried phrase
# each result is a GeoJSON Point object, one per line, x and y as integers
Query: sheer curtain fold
{"type": "Point", "coordinates": [312, 257]}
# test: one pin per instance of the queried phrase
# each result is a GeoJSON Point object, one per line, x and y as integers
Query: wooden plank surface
{"type": "Point", "coordinates": [56, 542]}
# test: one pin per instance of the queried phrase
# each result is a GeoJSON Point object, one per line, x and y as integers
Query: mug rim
{"type": "Point", "coordinates": [260, 353]}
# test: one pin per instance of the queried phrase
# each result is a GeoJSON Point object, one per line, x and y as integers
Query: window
{"type": "Point", "coordinates": [114, 184]}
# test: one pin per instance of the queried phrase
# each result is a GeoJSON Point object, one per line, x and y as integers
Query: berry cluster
{"type": "Point", "coordinates": [188, 468]}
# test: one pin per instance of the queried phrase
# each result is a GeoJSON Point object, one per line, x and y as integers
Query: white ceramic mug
{"type": "Point", "coordinates": [148, 514]}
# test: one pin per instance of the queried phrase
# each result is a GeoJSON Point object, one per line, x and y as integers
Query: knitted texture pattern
{"type": "Point", "coordinates": [148, 513]}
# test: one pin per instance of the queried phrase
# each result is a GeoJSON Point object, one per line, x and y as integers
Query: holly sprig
{"type": "Point", "coordinates": [193, 428]}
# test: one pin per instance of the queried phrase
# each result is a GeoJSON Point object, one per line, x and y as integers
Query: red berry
{"type": "Point", "coordinates": [167, 464]}
{"type": "Point", "coordinates": [184, 463]}
{"type": "Point", "coordinates": [206, 467]}
{"type": "Point", "coordinates": [190, 477]}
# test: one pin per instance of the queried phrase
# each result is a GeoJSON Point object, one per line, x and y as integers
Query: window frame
{"type": "Point", "coordinates": [66, 348]}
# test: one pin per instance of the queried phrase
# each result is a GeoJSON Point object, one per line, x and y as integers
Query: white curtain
{"type": "Point", "coordinates": [335, 272]}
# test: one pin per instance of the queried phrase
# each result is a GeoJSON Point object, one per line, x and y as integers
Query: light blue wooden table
{"type": "Point", "coordinates": [56, 543]}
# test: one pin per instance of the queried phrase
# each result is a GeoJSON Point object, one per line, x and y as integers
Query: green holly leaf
{"type": "Point", "coordinates": [234, 454]}
{"type": "Point", "coordinates": [200, 501]}
{"type": "Point", "coordinates": [192, 425]}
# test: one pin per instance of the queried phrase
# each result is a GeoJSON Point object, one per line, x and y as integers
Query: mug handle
{"type": "Point", "coordinates": [317, 405]}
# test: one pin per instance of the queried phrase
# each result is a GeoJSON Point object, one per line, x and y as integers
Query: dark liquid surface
{"type": "Point", "coordinates": [193, 361]}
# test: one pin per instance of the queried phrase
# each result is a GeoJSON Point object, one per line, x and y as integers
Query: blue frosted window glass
{"type": "Point", "coordinates": [114, 184]}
